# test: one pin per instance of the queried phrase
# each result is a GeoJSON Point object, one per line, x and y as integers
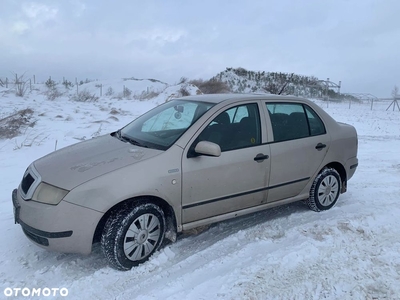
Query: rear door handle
{"type": "Point", "coordinates": [260, 157]}
{"type": "Point", "coordinates": [320, 146]}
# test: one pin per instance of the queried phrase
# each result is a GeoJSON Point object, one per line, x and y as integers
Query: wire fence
{"type": "Point", "coordinates": [377, 104]}
{"type": "Point", "coordinates": [22, 83]}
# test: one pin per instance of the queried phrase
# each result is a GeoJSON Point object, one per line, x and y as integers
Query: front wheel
{"type": "Point", "coordinates": [131, 236]}
{"type": "Point", "coordinates": [325, 190]}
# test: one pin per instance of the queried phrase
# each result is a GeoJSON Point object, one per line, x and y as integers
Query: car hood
{"type": "Point", "coordinates": [76, 164]}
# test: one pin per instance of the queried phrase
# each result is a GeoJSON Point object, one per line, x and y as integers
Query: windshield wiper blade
{"type": "Point", "coordinates": [132, 141]}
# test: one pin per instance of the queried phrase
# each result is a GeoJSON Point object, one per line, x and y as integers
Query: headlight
{"type": "Point", "coordinates": [49, 194]}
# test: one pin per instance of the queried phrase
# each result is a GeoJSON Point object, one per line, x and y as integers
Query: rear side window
{"type": "Point", "coordinates": [293, 121]}
{"type": "Point", "coordinates": [316, 125]}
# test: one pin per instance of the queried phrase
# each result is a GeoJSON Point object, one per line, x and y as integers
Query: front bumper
{"type": "Point", "coordinates": [65, 227]}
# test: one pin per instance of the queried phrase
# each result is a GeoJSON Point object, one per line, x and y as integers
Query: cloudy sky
{"type": "Point", "coordinates": [355, 41]}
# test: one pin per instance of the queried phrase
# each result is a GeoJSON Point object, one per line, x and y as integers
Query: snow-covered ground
{"type": "Point", "coordinates": [290, 252]}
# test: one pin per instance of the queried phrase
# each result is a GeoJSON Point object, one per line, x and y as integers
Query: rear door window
{"type": "Point", "coordinates": [316, 125]}
{"type": "Point", "coordinates": [289, 121]}
{"type": "Point", "coordinates": [294, 121]}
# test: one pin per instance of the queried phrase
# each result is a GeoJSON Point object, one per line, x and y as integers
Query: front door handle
{"type": "Point", "coordinates": [260, 157]}
{"type": "Point", "coordinates": [320, 146]}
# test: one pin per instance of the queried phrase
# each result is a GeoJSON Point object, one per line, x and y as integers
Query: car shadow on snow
{"type": "Point", "coordinates": [192, 241]}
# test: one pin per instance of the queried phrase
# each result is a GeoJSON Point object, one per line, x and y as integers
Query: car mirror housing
{"type": "Point", "coordinates": [208, 148]}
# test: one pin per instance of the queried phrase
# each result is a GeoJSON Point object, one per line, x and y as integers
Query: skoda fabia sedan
{"type": "Point", "coordinates": [186, 163]}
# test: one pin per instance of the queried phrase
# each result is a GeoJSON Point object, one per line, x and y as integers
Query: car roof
{"type": "Point", "coordinates": [218, 98]}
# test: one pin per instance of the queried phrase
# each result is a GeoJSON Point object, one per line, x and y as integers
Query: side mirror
{"type": "Point", "coordinates": [208, 148]}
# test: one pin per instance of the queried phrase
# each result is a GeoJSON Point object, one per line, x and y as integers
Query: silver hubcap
{"type": "Point", "coordinates": [142, 237]}
{"type": "Point", "coordinates": [328, 190]}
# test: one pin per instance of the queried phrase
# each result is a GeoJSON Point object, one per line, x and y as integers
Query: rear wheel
{"type": "Point", "coordinates": [325, 190]}
{"type": "Point", "coordinates": [131, 236]}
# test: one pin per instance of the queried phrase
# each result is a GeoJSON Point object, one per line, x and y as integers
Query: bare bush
{"type": "Point", "coordinates": [183, 80]}
{"type": "Point", "coordinates": [20, 85]}
{"type": "Point", "coordinates": [183, 91]}
{"type": "Point", "coordinates": [110, 91]}
{"type": "Point", "coordinates": [52, 91]}
{"type": "Point", "coordinates": [212, 86]}
{"type": "Point", "coordinates": [12, 125]}
{"type": "Point", "coordinates": [68, 84]}
{"type": "Point", "coordinates": [30, 140]}
{"type": "Point", "coordinates": [146, 95]}
{"type": "Point", "coordinates": [86, 81]}
{"type": "Point", "coordinates": [84, 96]}
{"type": "Point", "coordinates": [126, 92]}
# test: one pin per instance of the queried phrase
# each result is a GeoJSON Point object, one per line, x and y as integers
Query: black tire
{"type": "Point", "coordinates": [325, 190]}
{"type": "Point", "coordinates": [125, 249]}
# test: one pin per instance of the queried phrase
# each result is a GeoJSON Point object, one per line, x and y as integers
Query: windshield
{"type": "Point", "coordinates": [162, 126]}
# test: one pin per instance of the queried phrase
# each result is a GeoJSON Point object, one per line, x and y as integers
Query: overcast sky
{"type": "Point", "coordinates": [355, 41]}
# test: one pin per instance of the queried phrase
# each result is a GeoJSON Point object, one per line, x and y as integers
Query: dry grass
{"type": "Point", "coordinates": [211, 86]}
{"type": "Point", "coordinates": [147, 95]}
{"type": "Point", "coordinates": [12, 125]}
{"type": "Point", "coordinates": [84, 96]}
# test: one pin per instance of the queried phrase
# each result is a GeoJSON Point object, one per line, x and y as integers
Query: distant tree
{"type": "Point", "coordinates": [183, 80]}
{"type": "Point", "coordinates": [50, 83]}
{"type": "Point", "coordinates": [68, 84]}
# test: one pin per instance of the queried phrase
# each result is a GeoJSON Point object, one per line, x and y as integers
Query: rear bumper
{"type": "Point", "coordinates": [65, 227]}
{"type": "Point", "coordinates": [351, 166]}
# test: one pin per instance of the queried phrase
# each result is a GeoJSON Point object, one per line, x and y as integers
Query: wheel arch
{"type": "Point", "coordinates": [170, 218]}
{"type": "Point", "coordinates": [342, 172]}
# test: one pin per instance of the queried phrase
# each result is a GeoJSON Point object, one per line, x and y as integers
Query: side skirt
{"type": "Point", "coordinates": [246, 211]}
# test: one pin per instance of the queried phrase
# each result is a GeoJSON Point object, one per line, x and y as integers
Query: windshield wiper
{"type": "Point", "coordinates": [130, 140]}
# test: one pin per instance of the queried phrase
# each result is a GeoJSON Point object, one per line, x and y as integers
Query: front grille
{"type": "Point", "coordinates": [27, 182]}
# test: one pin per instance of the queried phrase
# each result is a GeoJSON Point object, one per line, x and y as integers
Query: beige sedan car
{"type": "Point", "coordinates": [186, 163]}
